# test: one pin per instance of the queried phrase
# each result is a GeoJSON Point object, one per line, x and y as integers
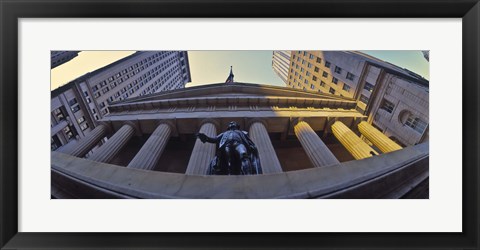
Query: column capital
{"type": "Point", "coordinates": [215, 122]}
{"type": "Point", "coordinates": [108, 126]}
{"type": "Point", "coordinates": [135, 126]}
{"type": "Point", "coordinates": [250, 121]}
{"type": "Point", "coordinates": [170, 123]}
{"type": "Point", "coordinates": [295, 120]}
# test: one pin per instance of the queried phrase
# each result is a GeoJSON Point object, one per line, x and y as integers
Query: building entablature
{"type": "Point", "coordinates": [238, 102]}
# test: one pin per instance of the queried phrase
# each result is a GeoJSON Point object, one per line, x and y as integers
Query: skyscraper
{"type": "Point", "coordinates": [394, 98]}
{"type": "Point", "coordinates": [280, 64]}
{"type": "Point", "coordinates": [77, 105]}
{"type": "Point", "coordinates": [58, 58]}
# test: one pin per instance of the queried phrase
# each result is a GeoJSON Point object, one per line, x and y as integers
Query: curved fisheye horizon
{"type": "Point", "coordinates": [133, 129]}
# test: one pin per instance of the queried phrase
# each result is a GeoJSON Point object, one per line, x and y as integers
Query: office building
{"type": "Point", "coordinates": [280, 64]}
{"type": "Point", "coordinates": [58, 58]}
{"type": "Point", "coordinates": [77, 106]}
{"type": "Point", "coordinates": [380, 88]}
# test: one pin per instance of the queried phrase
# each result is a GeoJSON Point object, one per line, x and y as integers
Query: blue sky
{"type": "Point", "coordinates": [214, 66]}
{"type": "Point", "coordinates": [256, 66]}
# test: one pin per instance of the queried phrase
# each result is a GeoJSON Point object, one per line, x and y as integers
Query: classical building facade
{"type": "Point", "coordinates": [309, 146]}
{"type": "Point", "coordinates": [77, 106]}
{"type": "Point", "coordinates": [377, 86]}
{"type": "Point", "coordinates": [58, 58]}
{"type": "Point", "coordinates": [281, 64]}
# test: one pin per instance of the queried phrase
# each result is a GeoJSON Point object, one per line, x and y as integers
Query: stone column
{"type": "Point", "coordinates": [378, 139]}
{"type": "Point", "coordinates": [87, 143]}
{"type": "Point", "coordinates": [148, 156]}
{"type": "Point", "coordinates": [356, 146]}
{"type": "Point", "coordinates": [316, 150]}
{"type": "Point", "coordinates": [202, 153]}
{"type": "Point", "coordinates": [114, 144]}
{"type": "Point", "coordinates": [268, 158]}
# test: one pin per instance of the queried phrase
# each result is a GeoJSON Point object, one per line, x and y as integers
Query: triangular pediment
{"type": "Point", "coordinates": [232, 97]}
{"type": "Point", "coordinates": [236, 90]}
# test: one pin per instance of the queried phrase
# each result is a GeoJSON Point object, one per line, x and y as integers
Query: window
{"type": "Point", "coordinates": [387, 106]}
{"type": "Point", "coordinates": [314, 78]}
{"type": "Point", "coordinates": [316, 69]}
{"type": "Point", "coordinates": [346, 87]}
{"type": "Point", "coordinates": [75, 108]}
{"type": "Point", "coordinates": [311, 56]}
{"type": "Point", "coordinates": [322, 83]}
{"type": "Point", "coordinates": [301, 77]}
{"type": "Point", "coordinates": [325, 74]}
{"type": "Point", "coordinates": [334, 80]}
{"type": "Point", "coordinates": [312, 86]}
{"type": "Point", "coordinates": [81, 119]}
{"type": "Point", "coordinates": [364, 99]}
{"type": "Point", "coordinates": [69, 132]}
{"type": "Point", "coordinates": [331, 91]}
{"type": "Point", "coordinates": [306, 81]}
{"type": "Point", "coordinates": [338, 70]}
{"type": "Point", "coordinates": [72, 102]}
{"type": "Point", "coordinates": [85, 93]}
{"type": "Point", "coordinates": [416, 123]}
{"type": "Point", "coordinates": [301, 69]}
{"type": "Point", "coordinates": [319, 60]}
{"type": "Point", "coordinates": [102, 104]}
{"type": "Point", "coordinates": [307, 74]}
{"type": "Point", "coordinates": [304, 53]}
{"type": "Point", "coordinates": [84, 126]}
{"type": "Point", "coordinates": [59, 114]}
{"type": "Point", "coordinates": [350, 76]}
{"type": "Point", "coordinates": [327, 64]}
{"type": "Point", "coordinates": [94, 88]}
{"type": "Point", "coordinates": [309, 65]}
{"type": "Point", "coordinates": [368, 87]}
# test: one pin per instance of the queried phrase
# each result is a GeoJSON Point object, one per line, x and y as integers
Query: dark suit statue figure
{"type": "Point", "coordinates": [236, 153]}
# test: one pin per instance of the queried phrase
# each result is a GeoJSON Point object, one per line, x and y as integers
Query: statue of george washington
{"type": "Point", "coordinates": [236, 153]}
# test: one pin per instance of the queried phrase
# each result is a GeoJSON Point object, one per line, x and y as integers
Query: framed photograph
{"type": "Point", "coordinates": [275, 124]}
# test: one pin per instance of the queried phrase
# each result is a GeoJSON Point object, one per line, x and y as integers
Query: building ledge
{"type": "Point", "coordinates": [389, 175]}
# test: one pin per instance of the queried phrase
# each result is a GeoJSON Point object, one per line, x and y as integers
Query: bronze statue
{"type": "Point", "coordinates": [236, 153]}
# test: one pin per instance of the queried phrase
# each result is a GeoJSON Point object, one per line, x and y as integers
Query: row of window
{"type": "Point", "coordinates": [345, 86]}
{"type": "Point", "coordinates": [164, 65]}
{"type": "Point", "coordinates": [327, 64]}
{"type": "Point", "coordinates": [412, 121]}
{"type": "Point", "coordinates": [135, 85]}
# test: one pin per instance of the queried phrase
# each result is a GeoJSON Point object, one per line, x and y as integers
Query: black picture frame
{"type": "Point", "coordinates": [11, 11]}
